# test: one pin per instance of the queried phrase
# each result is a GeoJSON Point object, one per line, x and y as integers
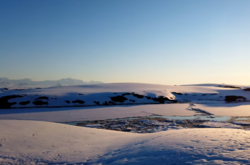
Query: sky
{"type": "Point", "coordinates": [148, 41]}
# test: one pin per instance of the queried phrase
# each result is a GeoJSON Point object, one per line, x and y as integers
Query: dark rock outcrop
{"type": "Point", "coordinates": [105, 103]}
{"type": "Point", "coordinates": [247, 89]}
{"type": "Point", "coordinates": [4, 101]}
{"type": "Point", "coordinates": [39, 102]}
{"type": "Point", "coordinates": [229, 86]}
{"type": "Point", "coordinates": [78, 101]}
{"type": "Point", "coordinates": [43, 97]}
{"type": "Point", "coordinates": [137, 95]}
{"type": "Point", "coordinates": [177, 93]}
{"type": "Point", "coordinates": [161, 99]}
{"type": "Point", "coordinates": [97, 102]}
{"type": "Point", "coordinates": [24, 102]}
{"type": "Point", "coordinates": [234, 98]}
{"type": "Point", "coordinates": [119, 99]}
{"type": "Point", "coordinates": [67, 101]}
{"type": "Point", "coordinates": [124, 94]}
{"type": "Point", "coordinates": [112, 103]}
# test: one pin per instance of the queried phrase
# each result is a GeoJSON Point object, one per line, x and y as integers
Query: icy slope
{"type": "Point", "coordinates": [44, 142]}
{"type": "Point", "coordinates": [116, 93]}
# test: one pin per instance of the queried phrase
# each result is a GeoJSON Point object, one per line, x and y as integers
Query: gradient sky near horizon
{"type": "Point", "coordinates": [148, 41]}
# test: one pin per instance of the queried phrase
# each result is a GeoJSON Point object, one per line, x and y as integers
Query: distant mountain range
{"type": "Point", "coordinates": [5, 82]}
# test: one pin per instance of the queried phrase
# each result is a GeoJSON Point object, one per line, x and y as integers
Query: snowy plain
{"type": "Point", "coordinates": [31, 136]}
{"type": "Point", "coordinates": [35, 142]}
{"type": "Point", "coordinates": [95, 113]}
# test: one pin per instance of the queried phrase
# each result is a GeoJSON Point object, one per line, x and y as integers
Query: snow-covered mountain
{"type": "Point", "coordinates": [5, 83]}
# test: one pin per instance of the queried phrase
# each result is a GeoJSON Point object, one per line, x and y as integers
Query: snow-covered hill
{"type": "Point", "coordinates": [34, 142]}
{"type": "Point", "coordinates": [118, 93]}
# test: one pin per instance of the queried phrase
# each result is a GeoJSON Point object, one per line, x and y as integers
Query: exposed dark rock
{"type": "Point", "coordinates": [97, 102]}
{"type": "Point", "coordinates": [43, 97]}
{"type": "Point", "coordinates": [201, 111]}
{"type": "Point", "coordinates": [6, 89]}
{"type": "Point", "coordinates": [229, 86]}
{"type": "Point", "coordinates": [39, 102]}
{"type": "Point", "coordinates": [177, 93]}
{"type": "Point", "coordinates": [118, 99]}
{"type": "Point", "coordinates": [78, 101]}
{"type": "Point", "coordinates": [105, 103]}
{"type": "Point", "coordinates": [247, 89]}
{"type": "Point", "coordinates": [24, 102]}
{"type": "Point", "coordinates": [234, 98]}
{"type": "Point", "coordinates": [80, 94]}
{"type": "Point", "coordinates": [161, 99]}
{"type": "Point", "coordinates": [67, 101]}
{"type": "Point", "coordinates": [112, 103]}
{"type": "Point", "coordinates": [148, 97]}
{"type": "Point", "coordinates": [124, 94]}
{"type": "Point", "coordinates": [132, 100]}
{"type": "Point", "coordinates": [80, 124]}
{"type": "Point", "coordinates": [4, 101]}
{"type": "Point", "coordinates": [137, 95]}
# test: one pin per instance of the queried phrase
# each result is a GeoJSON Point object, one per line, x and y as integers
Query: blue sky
{"type": "Point", "coordinates": [149, 41]}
